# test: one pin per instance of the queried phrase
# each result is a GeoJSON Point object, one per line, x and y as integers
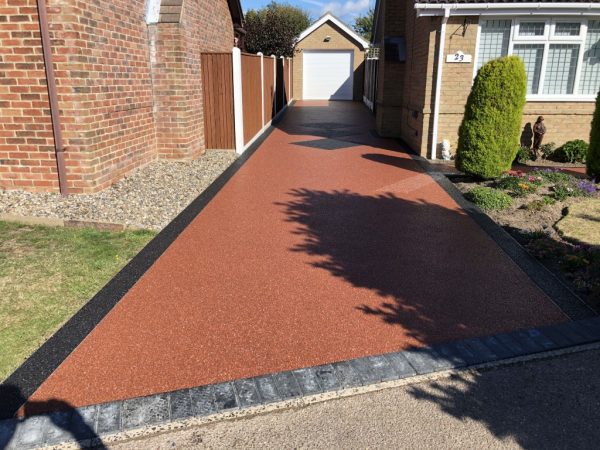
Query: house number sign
{"type": "Point", "coordinates": [459, 57]}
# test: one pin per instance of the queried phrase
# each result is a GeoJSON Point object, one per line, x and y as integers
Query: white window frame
{"type": "Point", "coordinates": [548, 39]}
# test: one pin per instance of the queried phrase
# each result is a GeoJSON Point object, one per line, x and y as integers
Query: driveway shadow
{"type": "Point", "coordinates": [547, 404]}
{"type": "Point", "coordinates": [67, 423]}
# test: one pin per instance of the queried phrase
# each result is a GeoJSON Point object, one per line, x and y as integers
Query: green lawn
{"type": "Point", "coordinates": [47, 274]}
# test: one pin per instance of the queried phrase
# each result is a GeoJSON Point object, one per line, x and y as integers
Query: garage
{"type": "Point", "coordinates": [328, 75]}
{"type": "Point", "coordinates": [328, 62]}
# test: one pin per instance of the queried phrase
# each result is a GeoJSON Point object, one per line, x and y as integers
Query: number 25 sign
{"type": "Point", "coordinates": [459, 57]}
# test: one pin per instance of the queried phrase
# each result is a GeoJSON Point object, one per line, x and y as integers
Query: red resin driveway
{"type": "Point", "coordinates": [329, 244]}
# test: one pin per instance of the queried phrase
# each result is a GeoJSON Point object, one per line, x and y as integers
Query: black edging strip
{"type": "Point", "coordinates": [569, 302]}
{"type": "Point", "coordinates": [89, 424]}
{"type": "Point", "coordinates": [39, 366]}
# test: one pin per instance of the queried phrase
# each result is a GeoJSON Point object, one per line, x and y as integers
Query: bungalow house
{"type": "Point", "coordinates": [90, 90]}
{"type": "Point", "coordinates": [430, 52]}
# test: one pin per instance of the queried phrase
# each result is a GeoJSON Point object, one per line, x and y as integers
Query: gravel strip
{"type": "Point", "coordinates": [148, 198]}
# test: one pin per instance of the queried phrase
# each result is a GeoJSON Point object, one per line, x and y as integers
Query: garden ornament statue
{"type": "Point", "coordinates": [446, 156]}
{"type": "Point", "coordinates": [539, 130]}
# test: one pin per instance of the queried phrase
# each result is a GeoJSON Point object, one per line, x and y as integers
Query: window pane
{"type": "Point", "coordinates": [532, 55]}
{"type": "Point", "coordinates": [561, 69]}
{"type": "Point", "coordinates": [494, 38]}
{"type": "Point", "coordinates": [590, 71]}
{"type": "Point", "coordinates": [567, 29]}
{"type": "Point", "coordinates": [531, 28]}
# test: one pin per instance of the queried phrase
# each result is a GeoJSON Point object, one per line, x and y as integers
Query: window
{"type": "Point", "coordinates": [495, 37]}
{"type": "Point", "coordinates": [562, 57]}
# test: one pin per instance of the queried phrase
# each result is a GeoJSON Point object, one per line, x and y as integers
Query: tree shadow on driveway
{"type": "Point", "coordinates": [440, 277]}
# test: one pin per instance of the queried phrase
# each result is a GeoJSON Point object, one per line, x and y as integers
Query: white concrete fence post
{"type": "Point", "coordinates": [238, 105]}
{"type": "Point", "coordinates": [262, 87]}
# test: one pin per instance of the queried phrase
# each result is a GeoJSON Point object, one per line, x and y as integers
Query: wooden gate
{"type": "Point", "coordinates": [217, 82]}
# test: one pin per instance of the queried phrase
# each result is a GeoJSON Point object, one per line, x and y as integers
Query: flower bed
{"type": "Point", "coordinates": [529, 205]}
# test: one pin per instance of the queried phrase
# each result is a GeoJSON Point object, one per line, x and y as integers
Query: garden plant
{"type": "Point", "coordinates": [490, 131]}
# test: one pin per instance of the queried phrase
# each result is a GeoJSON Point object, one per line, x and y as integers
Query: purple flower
{"type": "Point", "coordinates": [587, 186]}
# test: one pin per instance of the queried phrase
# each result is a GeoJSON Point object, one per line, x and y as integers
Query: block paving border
{"type": "Point", "coordinates": [89, 424]}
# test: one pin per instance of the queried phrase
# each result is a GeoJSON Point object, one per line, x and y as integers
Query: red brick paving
{"type": "Point", "coordinates": [306, 256]}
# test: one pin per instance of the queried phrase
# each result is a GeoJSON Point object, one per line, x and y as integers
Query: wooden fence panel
{"type": "Point", "coordinates": [251, 96]}
{"type": "Point", "coordinates": [217, 82]}
{"type": "Point", "coordinates": [279, 86]}
{"type": "Point", "coordinates": [269, 82]}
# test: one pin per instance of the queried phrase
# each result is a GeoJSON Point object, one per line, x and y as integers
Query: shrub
{"type": "Point", "coordinates": [563, 191]}
{"type": "Point", "coordinates": [548, 150]}
{"type": "Point", "coordinates": [593, 156]}
{"type": "Point", "coordinates": [524, 154]}
{"type": "Point", "coordinates": [490, 132]}
{"type": "Point", "coordinates": [554, 176]}
{"type": "Point", "coordinates": [573, 151]}
{"type": "Point", "coordinates": [489, 199]}
{"type": "Point", "coordinates": [518, 186]}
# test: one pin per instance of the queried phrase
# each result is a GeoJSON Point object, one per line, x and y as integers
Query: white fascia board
{"type": "Point", "coordinates": [508, 9]}
{"type": "Point", "coordinates": [152, 11]}
{"type": "Point", "coordinates": [328, 17]}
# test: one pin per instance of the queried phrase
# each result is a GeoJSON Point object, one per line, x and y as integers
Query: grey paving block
{"type": "Point", "coordinates": [426, 360]}
{"type": "Point", "coordinates": [541, 339]}
{"type": "Point", "coordinates": [382, 368]}
{"type": "Point", "coordinates": [75, 425]}
{"type": "Point", "coordinates": [494, 344]}
{"type": "Point", "coordinates": [513, 345]}
{"type": "Point", "coordinates": [364, 369]}
{"type": "Point", "coordinates": [308, 381]}
{"type": "Point", "coordinates": [30, 432]}
{"type": "Point", "coordinates": [8, 428]}
{"type": "Point", "coordinates": [181, 404]}
{"type": "Point", "coordinates": [591, 328]}
{"type": "Point", "coordinates": [109, 418]}
{"type": "Point", "coordinates": [482, 350]}
{"type": "Point", "coordinates": [247, 392]}
{"type": "Point", "coordinates": [287, 386]}
{"type": "Point", "coordinates": [573, 333]}
{"type": "Point", "coordinates": [467, 355]}
{"type": "Point", "coordinates": [526, 342]}
{"type": "Point", "coordinates": [144, 411]}
{"type": "Point", "coordinates": [327, 377]}
{"type": "Point", "coordinates": [203, 402]}
{"type": "Point", "coordinates": [267, 389]}
{"type": "Point", "coordinates": [347, 375]}
{"type": "Point", "coordinates": [400, 365]}
{"type": "Point", "coordinates": [561, 339]}
{"type": "Point", "coordinates": [224, 396]}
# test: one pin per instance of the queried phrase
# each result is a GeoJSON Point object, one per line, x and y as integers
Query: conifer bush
{"type": "Point", "coordinates": [593, 156]}
{"type": "Point", "coordinates": [489, 135]}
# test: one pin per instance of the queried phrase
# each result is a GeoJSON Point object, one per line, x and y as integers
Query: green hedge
{"type": "Point", "coordinates": [593, 155]}
{"type": "Point", "coordinates": [491, 128]}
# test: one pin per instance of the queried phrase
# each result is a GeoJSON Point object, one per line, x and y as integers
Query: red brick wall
{"type": "Point", "coordinates": [27, 158]}
{"type": "Point", "coordinates": [205, 26]}
{"type": "Point", "coordinates": [127, 92]}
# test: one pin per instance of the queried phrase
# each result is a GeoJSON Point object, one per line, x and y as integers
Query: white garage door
{"type": "Point", "coordinates": [328, 75]}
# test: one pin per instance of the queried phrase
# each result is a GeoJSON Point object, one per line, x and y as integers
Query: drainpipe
{"type": "Point", "coordinates": [438, 84]}
{"type": "Point", "coordinates": [53, 98]}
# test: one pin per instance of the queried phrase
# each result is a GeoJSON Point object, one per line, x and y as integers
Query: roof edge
{"type": "Point", "coordinates": [329, 17]}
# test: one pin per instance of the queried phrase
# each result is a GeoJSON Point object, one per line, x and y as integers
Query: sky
{"type": "Point", "coordinates": [347, 10]}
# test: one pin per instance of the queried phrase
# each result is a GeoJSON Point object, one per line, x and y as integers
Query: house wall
{"type": "Point", "coordinates": [27, 157]}
{"type": "Point", "coordinates": [406, 90]}
{"type": "Point", "coordinates": [565, 120]}
{"type": "Point", "coordinates": [128, 92]}
{"type": "Point", "coordinates": [339, 41]}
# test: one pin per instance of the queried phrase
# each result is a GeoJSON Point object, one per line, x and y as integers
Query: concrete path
{"type": "Point", "coordinates": [328, 244]}
{"type": "Point", "coordinates": [538, 405]}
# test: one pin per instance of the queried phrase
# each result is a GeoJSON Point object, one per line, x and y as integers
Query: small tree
{"type": "Point", "coordinates": [489, 135]}
{"type": "Point", "coordinates": [363, 25]}
{"type": "Point", "coordinates": [593, 155]}
{"type": "Point", "coordinates": [273, 29]}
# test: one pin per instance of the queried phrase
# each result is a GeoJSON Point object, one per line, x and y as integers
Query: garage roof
{"type": "Point", "coordinates": [328, 17]}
